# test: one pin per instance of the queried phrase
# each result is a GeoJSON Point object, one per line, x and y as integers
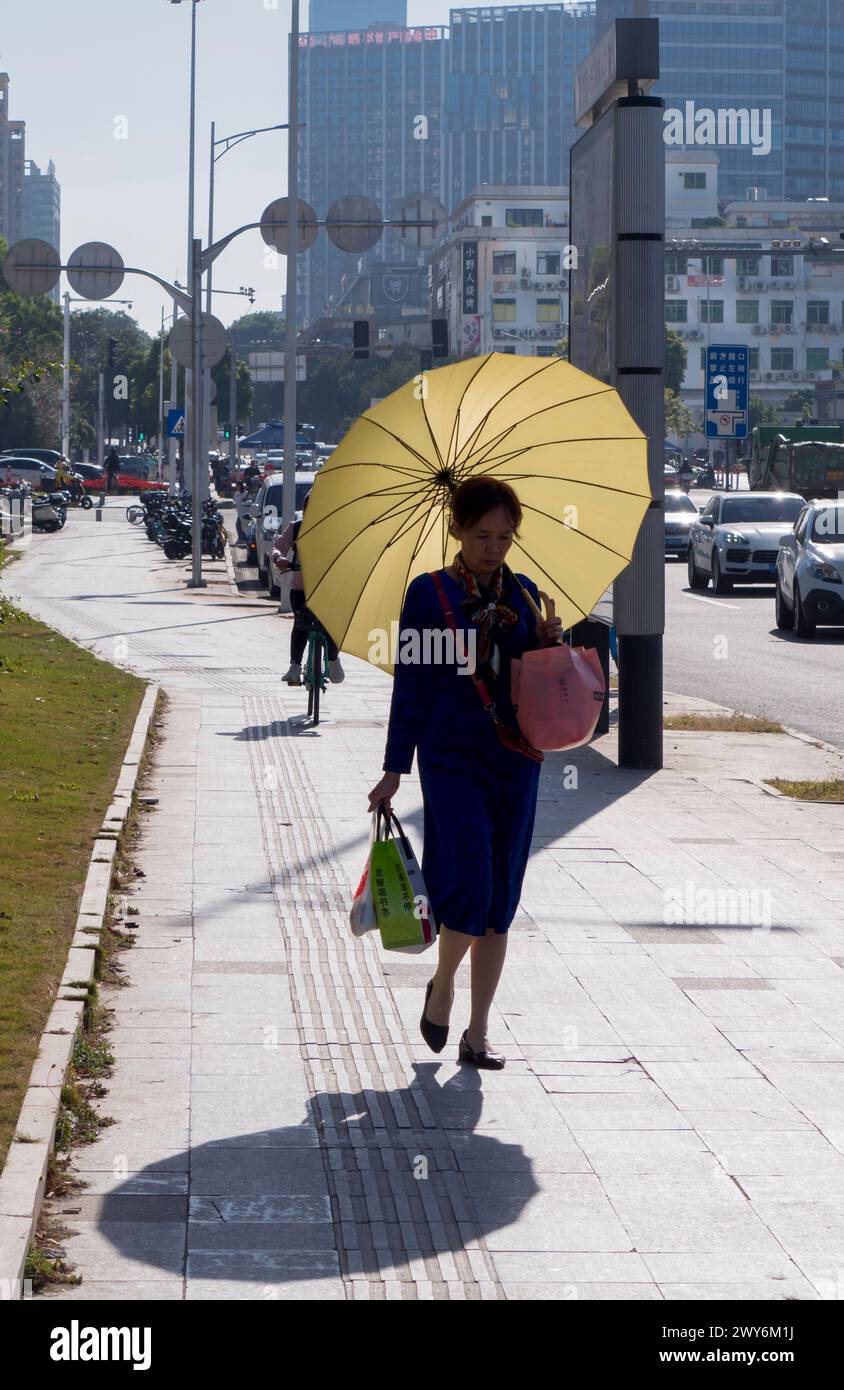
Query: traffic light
{"type": "Point", "coordinates": [112, 351]}
{"type": "Point", "coordinates": [141, 436]}
{"type": "Point", "coordinates": [360, 337]}
{"type": "Point", "coordinates": [439, 337]}
{"type": "Point", "coordinates": [227, 433]}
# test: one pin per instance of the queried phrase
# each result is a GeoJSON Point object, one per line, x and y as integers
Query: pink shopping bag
{"type": "Point", "coordinates": [558, 693]}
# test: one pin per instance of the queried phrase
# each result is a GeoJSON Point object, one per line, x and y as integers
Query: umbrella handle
{"type": "Point", "coordinates": [550, 606]}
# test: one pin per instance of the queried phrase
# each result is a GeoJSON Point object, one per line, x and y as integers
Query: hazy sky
{"type": "Point", "coordinates": [83, 73]}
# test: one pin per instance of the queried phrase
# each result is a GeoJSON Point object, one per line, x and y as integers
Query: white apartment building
{"type": "Point", "coordinates": [768, 290]}
{"type": "Point", "coordinates": [501, 276]}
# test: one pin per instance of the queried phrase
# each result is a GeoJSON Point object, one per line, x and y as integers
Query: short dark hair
{"type": "Point", "coordinates": [476, 496]}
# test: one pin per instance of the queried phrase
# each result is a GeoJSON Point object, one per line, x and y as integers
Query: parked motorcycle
{"type": "Point", "coordinates": [49, 511]}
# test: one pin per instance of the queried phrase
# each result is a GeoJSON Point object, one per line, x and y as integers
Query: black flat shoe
{"type": "Point", "coordinates": [492, 1061]}
{"type": "Point", "coordinates": [435, 1035]}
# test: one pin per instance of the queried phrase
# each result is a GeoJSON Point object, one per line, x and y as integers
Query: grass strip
{"type": "Point", "coordinates": [829, 789]}
{"type": "Point", "coordinates": [66, 718]}
{"type": "Point", "coordinates": [723, 723]}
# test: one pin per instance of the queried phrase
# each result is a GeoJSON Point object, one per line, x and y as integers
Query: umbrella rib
{"type": "Point", "coordinates": [370, 463]}
{"type": "Point", "coordinates": [353, 501]}
{"type": "Point", "coordinates": [455, 426]}
{"type": "Point", "coordinates": [549, 516]}
{"type": "Point", "coordinates": [344, 548]}
{"type": "Point", "coordinates": [403, 442]}
{"type": "Point", "coordinates": [521, 476]}
{"type": "Point", "coordinates": [556, 405]}
{"type": "Point", "coordinates": [517, 387]}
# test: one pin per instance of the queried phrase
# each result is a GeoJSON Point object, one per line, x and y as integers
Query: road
{"type": "Point", "coordinates": [728, 650]}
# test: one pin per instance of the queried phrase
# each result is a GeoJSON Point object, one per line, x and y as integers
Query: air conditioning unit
{"type": "Point", "coordinates": [782, 376]}
{"type": "Point", "coordinates": [795, 376]}
{"type": "Point", "coordinates": [761, 285]}
{"type": "Point", "coordinates": [757, 329]}
{"type": "Point", "coordinates": [811, 376]}
{"type": "Point", "coordinates": [763, 328]}
{"type": "Point", "coordinates": [696, 333]}
{"type": "Point", "coordinates": [769, 376]}
{"type": "Point", "coordinates": [754, 375]}
{"type": "Point", "coordinates": [672, 283]}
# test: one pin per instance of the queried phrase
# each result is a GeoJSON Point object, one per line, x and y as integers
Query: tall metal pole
{"type": "Point", "coordinates": [191, 441]}
{"type": "Point", "coordinates": [207, 442]}
{"type": "Point", "coordinates": [66, 379]}
{"type": "Point", "coordinates": [288, 490]}
{"type": "Point", "coordinates": [194, 424]}
{"type": "Point", "coordinates": [100, 426]}
{"type": "Point", "coordinates": [233, 404]}
{"type": "Point", "coordinates": [161, 429]}
{"type": "Point", "coordinates": [173, 444]}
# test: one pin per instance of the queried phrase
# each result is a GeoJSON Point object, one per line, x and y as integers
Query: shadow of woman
{"type": "Point", "coordinates": [369, 1185]}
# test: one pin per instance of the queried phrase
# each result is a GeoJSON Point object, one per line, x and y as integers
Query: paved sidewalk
{"type": "Point", "coordinates": [670, 1122]}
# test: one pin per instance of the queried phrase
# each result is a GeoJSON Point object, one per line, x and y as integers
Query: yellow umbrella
{"type": "Point", "coordinates": [379, 510]}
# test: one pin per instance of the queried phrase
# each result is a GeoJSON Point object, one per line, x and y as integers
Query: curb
{"type": "Point", "coordinates": [23, 1178]}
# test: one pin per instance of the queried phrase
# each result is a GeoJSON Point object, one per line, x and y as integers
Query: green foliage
{"type": "Point", "coordinates": [680, 420]}
{"type": "Point", "coordinates": [763, 412]}
{"type": "Point", "coordinates": [30, 357]}
{"type": "Point", "coordinates": [675, 360]}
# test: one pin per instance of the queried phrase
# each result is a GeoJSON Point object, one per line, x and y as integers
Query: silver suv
{"type": "Point", "coordinates": [736, 538]}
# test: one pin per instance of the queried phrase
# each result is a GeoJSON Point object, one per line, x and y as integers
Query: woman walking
{"type": "Point", "coordinates": [479, 776]}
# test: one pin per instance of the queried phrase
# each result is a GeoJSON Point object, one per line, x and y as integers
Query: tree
{"type": "Point", "coordinates": [675, 360]}
{"type": "Point", "coordinates": [680, 420]}
{"type": "Point", "coordinates": [30, 358]}
{"type": "Point", "coordinates": [762, 412]}
{"type": "Point", "coordinates": [263, 329]}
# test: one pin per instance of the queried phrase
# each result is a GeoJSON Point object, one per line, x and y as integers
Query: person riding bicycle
{"type": "Point", "coordinates": [285, 544]}
{"type": "Point", "coordinates": [63, 477]}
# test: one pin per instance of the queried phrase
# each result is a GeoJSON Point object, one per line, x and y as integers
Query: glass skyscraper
{"type": "Point", "coordinates": [371, 101]}
{"type": "Point", "coordinates": [509, 115]}
{"type": "Point", "coordinates": [784, 56]}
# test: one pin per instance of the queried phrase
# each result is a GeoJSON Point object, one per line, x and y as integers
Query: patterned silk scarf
{"type": "Point", "coordinates": [489, 612]}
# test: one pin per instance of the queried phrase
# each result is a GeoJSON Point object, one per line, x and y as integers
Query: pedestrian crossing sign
{"type": "Point", "coordinates": [175, 423]}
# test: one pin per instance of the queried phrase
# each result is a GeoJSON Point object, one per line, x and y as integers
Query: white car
{"type": "Point", "coordinates": [736, 538]}
{"type": "Point", "coordinates": [40, 476]}
{"type": "Point", "coordinates": [810, 570]}
{"type": "Point", "coordinates": [267, 511]}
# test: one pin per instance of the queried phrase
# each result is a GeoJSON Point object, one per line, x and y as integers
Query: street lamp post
{"type": "Point", "coordinates": [288, 487]}
{"type": "Point", "coordinates": [192, 438]}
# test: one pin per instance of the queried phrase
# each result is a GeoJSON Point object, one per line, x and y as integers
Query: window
{"type": "Point", "coordinates": [676, 311]}
{"type": "Point", "coordinates": [486, 220]}
{"type": "Point", "coordinates": [782, 265]}
{"type": "Point", "coordinates": [747, 265]}
{"type": "Point", "coordinates": [503, 310]}
{"type": "Point", "coordinates": [511, 348]}
{"type": "Point", "coordinates": [546, 352]}
{"type": "Point", "coordinates": [524, 217]}
{"type": "Point", "coordinates": [694, 180]}
{"type": "Point", "coordinates": [817, 311]}
{"type": "Point", "coordinates": [703, 359]}
{"type": "Point", "coordinates": [782, 359]}
{"type": "Point", "coordinates": [747, 311]}
{"type": "Point", "coordinates": [817, 359]}
{"type": "Point", "coordinates": [712, 265]}
{"type": "Point", "coordinates": [753, 359]}
{"type": "Point", "coordinates": [503, 262]}
{"type": "Point", "coordinates": [547, 262]}
{"type": "Point", "coordinates": [782, 311]}
{"type": "Point", "coordinates": [547, 311]}
{"type": "Point", "coordinates": [675, 264]}
{"type": "Point", "coordinates": [711, 311]}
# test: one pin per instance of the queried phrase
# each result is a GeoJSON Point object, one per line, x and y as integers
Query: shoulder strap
{"type": "Point", "coordinates": [448, 614]}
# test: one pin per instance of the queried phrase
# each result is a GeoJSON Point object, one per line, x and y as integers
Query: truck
{"type": "Point", "coordinates": [806, 459]}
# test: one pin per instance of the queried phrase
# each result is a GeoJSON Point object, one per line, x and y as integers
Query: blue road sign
{"type": "Point", "coordinates": [175, 422]}
{"type": "Point", "coordinates": [725, 396]}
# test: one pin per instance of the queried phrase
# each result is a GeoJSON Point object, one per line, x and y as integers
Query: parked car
{"type": "Point", "coordinates": [680, 513]}
{"type": "Point", "coordinates": [810, 570]}
{"type": "Point", "coordinates": [267, 512]}
{"type": "Point", "coordinates": [27, 470]}
{"type": "Point", "coordinates": [736, 538]}
{"type": "Point", "coordinates": [51, 456]}
{"type": "Point", "coordinates": [671, 471]}
{"type": "Point", "coordinates": [134, 466]}
{"type": "Point", "coordinates": [88, 472]}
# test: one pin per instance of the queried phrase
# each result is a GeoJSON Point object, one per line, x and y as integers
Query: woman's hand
{"type": "Point", "coordinates": [550, 631]}
{"type": "Point", "coordinates": [385, 790]}
{"type": "Point", "coordinates": [281, 565]}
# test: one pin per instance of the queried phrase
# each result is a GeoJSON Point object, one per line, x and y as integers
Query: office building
{"type": "Point", "coordinates": [509, 115]}
{"type": "Point", "coordinates": [371, 102]}
{"type": "Point", "coordinates": [780, 57]}
{"type": "Point", "coordinates": [12, 160]}
{"type": "Point", "coordinates": [501, 277]}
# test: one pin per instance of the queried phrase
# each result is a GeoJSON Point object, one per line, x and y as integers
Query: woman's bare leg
{"type": "Point", "coordinates": [488, 954]}
{"type": "Point", "coordinates": [453, 946]}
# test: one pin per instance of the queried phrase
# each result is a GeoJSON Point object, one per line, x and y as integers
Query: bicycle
{"type": "Point", "coordinates": [315, 675]}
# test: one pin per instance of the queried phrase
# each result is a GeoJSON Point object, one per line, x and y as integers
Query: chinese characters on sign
{"type": "Point", "coordinates": [725, 397]}
{"type": "Point", "coordinates": [470, 277]}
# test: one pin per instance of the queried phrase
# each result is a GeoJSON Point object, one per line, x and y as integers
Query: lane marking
{"type": "Point", "coordinates": [719, 603]}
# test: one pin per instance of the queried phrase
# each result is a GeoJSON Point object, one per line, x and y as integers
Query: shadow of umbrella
{"type": "Point", "coordinates": [368, 1182]}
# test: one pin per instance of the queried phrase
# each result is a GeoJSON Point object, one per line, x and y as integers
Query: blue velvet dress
{"type": "Point", "coordinates": [479, 797]}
